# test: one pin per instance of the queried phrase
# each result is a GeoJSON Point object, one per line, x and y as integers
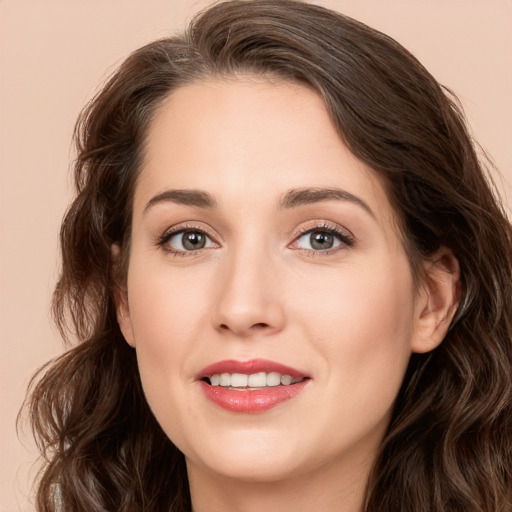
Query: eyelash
{"type": "Point", "coordinates": [346, 239]}
{"type": "Point", "coordinates": [164, 239]}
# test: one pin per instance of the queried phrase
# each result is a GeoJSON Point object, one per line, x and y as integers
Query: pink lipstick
{"type": "Point", "coordinates": [250, 386]}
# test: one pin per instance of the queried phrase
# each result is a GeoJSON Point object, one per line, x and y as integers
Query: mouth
{"type": "Point", "coordinates": [250, 386]}
{"type": "Point", "coordinates": [259, 380]}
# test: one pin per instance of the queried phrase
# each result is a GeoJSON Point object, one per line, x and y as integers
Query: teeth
{"type": "Point", "coordinates": [257, 380]}
{"type": "Point", "coordinates": [239, 380]}
{"type": "Point", "coordinates": [254, 380]}
{"type": "Point", "coordinates": [286, 380]}
{"type": "Point", "coordinates": [273, 379]}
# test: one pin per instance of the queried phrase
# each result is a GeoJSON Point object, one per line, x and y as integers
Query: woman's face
{"type": "Point", "coordinates": [261, 245]}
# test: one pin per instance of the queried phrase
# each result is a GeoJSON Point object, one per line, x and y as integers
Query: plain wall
{"type": "Point", "coordinates": [54, 54]}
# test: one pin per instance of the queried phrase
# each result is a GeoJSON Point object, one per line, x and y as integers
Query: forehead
{"type": "Point", "coordinates": [250, 137]}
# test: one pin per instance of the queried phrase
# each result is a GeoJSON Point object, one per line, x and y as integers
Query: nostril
{"type": "Point", "coordinates": [260, 325]}
{"type": "Point", "coordinates": [244, 329]}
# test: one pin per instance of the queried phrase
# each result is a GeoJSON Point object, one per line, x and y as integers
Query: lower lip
{"type": "Point", "coordinates": [251, 401]}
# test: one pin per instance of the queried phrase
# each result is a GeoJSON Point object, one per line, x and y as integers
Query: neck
{"type": "Point", "coordinates": [327, 489]}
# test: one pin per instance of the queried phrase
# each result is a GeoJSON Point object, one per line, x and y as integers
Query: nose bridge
{"type": "Point", "coordinates": [248, 300]}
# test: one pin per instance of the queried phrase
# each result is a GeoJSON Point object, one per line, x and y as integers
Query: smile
{"type": "Point", "coordinates": [251, 386]}
{"type": "Point", "coordinates": [254, 380]}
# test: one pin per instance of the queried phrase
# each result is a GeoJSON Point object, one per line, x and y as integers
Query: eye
{"type": "Point", "coordinates": [186, 240]}
{"type": "Point", "coordinates": [322, 239]}
{"type": "Point", "coordinates": [318, 240]}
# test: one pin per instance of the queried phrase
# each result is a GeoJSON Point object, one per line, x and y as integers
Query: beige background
{"type": "Point", "coordinates": [53, 55]}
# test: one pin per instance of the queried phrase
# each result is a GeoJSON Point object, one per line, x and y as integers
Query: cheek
{"type": "Point", "coordinates": [167, 316]}
{"type": "Point", "coordinates": [358, 300]}
{"type": "Point", "coordinates": [166, 304]}
{"type": "Point", "coordinates": [362, 321]}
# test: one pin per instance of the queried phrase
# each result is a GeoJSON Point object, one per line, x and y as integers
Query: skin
{"type": "Point", "coordinates": [349, 318]}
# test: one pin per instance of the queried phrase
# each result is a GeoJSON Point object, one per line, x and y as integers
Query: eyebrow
{"type": "Point", "coordinates": [303, 196]}
{"type": "Point", "coordinates": [291, 199]}
{"type": "Point", "coordinates": [196, 198]}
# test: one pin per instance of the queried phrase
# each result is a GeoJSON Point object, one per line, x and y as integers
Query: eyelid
{"type": "Point", "coordinates": [324, 225]}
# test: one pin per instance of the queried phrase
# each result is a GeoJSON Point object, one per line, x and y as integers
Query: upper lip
{"type": "Point", "coordinates": [249, 367]}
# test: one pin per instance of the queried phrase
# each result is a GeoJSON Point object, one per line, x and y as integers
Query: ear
{"type": "Point", "coordinates": [437, 300]}
{"type": "Point", "coordinates": [121, 298]}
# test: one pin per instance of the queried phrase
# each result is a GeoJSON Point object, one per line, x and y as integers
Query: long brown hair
{"type": "Point", "coordinates": [449, 444]}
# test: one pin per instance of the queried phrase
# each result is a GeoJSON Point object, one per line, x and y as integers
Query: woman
{"type": "Point", "coordinates": [290, 280]}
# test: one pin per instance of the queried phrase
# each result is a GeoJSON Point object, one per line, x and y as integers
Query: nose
{"type": "Point", "coordinates": [249, 301]}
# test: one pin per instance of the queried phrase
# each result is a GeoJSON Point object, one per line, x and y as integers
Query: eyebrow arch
{"type": "Point", "coordinates": [302, 196]}
{"type": "Point", "coordinates": [291, 199]}
{"type": "Point", "coordinates": [196, 198]}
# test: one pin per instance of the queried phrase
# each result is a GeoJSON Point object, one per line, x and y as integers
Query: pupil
{"type": "Point", "coordinates": [321, 240]}
{"type": "Point", "coordinates": [193, 240]}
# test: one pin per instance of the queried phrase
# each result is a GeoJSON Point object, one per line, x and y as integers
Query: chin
{"type": "Point", "coordinates": [246, 455]}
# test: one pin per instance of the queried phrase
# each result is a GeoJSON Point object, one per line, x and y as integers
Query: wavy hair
{"type": "Point", "coordinates": [449, 443]}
